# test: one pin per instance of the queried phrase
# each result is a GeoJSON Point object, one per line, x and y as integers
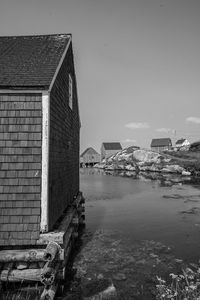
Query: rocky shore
{"type": "Point", "coordinates": [143, 160]}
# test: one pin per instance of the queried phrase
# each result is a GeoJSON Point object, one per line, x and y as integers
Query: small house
{"type": "Point", "coordinates": [161, 144]}
{"type": "Point", "coordinates": [39, 135]}
{"type": "Point", "coordinates": [90, 157]}
{"type": "Point", "coordinates": [182, 143]}
{"type": "Point", "coordinates": [108, 149]}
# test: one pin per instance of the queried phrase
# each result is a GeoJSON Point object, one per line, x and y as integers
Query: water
{"type": "Point", "coordinates": [144, 209]}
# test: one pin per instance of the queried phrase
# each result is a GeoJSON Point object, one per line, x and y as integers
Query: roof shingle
{"type": "Point", "coordinates": [30, 61]}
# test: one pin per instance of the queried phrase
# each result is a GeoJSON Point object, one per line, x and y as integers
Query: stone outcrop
{"type": "Point", "coordinates": [136, 159]}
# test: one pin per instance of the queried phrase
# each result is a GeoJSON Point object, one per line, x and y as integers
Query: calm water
{"type": "Point", "coordinates": [141, 208]}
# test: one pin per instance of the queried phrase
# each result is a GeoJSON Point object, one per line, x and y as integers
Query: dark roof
{"type": "Point", "coordinates": [161, 142]}
{"type": "Point", "coordinates": [112, 146]}
{"type": "Point", "coordinates": [180, 141]}
{"type": "Point", "coordinates": [30, 61]}
{"type": "Point", "coordinates": [89, 150]}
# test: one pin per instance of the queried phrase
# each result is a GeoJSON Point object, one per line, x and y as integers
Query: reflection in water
{"type": "Point", "coordinates": [144, 206]}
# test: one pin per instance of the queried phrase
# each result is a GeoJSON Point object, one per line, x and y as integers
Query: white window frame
{"type": "Point", "coordinates": [70, 92]}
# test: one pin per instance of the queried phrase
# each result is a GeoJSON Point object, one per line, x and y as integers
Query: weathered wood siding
{"type": "Point", "coordinates": [20, 168]}
{"type": "Point", "coordinates": [64, 142]}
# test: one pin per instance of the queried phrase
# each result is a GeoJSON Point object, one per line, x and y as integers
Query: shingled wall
{"type": "Point", "coordinates": [64, 142]}
{"type": "Point", "coordinates": [20, 168]}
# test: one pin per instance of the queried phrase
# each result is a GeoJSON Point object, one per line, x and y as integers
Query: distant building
{"type": "Point", "coordinates": [108, 149]}
{"type": "Point", "coordinates": [195, 146]}
{"type": "Point", "coordinates": [161, 144]}
{"type": "Point", "coordinates": [89, 157]}
{"type": "Point", "coordinates": [182, 143]}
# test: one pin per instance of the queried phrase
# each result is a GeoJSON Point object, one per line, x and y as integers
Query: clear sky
{"type": "Point", "coordinates": [137, 63]}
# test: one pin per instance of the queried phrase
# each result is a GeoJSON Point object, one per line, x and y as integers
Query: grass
{"type": "Point", "coordinates": [181, 287]}
{"type": "Point", "coordinates": [20, 291]}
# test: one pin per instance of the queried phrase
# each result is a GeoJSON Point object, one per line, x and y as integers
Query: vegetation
{"type": "Point", "coordinates": [185, 286]}
{"type": "Point", "coordinates": [189, 160]}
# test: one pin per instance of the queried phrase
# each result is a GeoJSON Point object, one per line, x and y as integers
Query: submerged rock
{"type": "Point", "coordinates": [107, 255]}
{"type": "Point", "coordinates": [99, 289]}
{"type": "Point", "coordinates": [119, 276]}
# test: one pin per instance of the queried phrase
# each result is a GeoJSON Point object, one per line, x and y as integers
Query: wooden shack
{"type": "Point", "coordinates": [108, 149]}
{"type": "Point", "coordinates": [161, 144]}
{"type": "Point", "coordinates": [39, 135]}
{"type": "Point", "coordinates": [89, 157]}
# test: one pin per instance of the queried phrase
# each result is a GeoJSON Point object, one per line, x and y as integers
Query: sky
{"type": "Point", "coordinates": [137, 63]}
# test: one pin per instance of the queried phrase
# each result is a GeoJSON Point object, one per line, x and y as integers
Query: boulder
{"type": "Point", "coordinates": [146, 156]}
{"type": "Point", "coordinates": [130, 168]}
{"type": "Point", "coordinates": [99, 289]}
{"type": "Point", "coordinates": [186, 173]}
{"type": "Point", "coordinates": [172, 169]}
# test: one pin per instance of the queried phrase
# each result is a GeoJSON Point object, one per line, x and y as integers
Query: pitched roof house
{"type": "Point", "coordinates": [182, 143]}
{"type": "Point", "coordinates": [39, 134]}
{"type": "Point", "coordinates": [90, 157]}
{"type": "Point", "coordinates": [161, 144]}
{"type": "Point", "coordinates": [108, 149]}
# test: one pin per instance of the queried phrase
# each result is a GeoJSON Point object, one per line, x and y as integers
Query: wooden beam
{"type": "Point", "coordinates": [29, 255]}
{"type": "Point", "coordinates": [52, 251]}
{"type": "Point", "coordinates": [20, 275]}
{"type": "Point", "coordinates": [15, 275]}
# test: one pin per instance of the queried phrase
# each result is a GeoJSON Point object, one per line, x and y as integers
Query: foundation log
{"type": "Point", "coordinates": [29, 255]}
{"type": "Point", "coordinates": [49, 273]}
{"type": "Point", "coordinates": [27, 274]}
{"type": "Point", "coordinates": [52, 251]}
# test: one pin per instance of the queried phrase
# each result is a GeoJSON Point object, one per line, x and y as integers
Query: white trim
{"type": "Point", "coordinates": [60, 63]}
{"type": "Point", "coordinates": [23, 91]}
{"type": "Point", "coordinates": [45, 161]}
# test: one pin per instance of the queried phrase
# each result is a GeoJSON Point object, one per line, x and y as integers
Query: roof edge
{"type": "Point", "coordinates": [35, 35]}
{"type": "Point", "coordinates": [60, 63]}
